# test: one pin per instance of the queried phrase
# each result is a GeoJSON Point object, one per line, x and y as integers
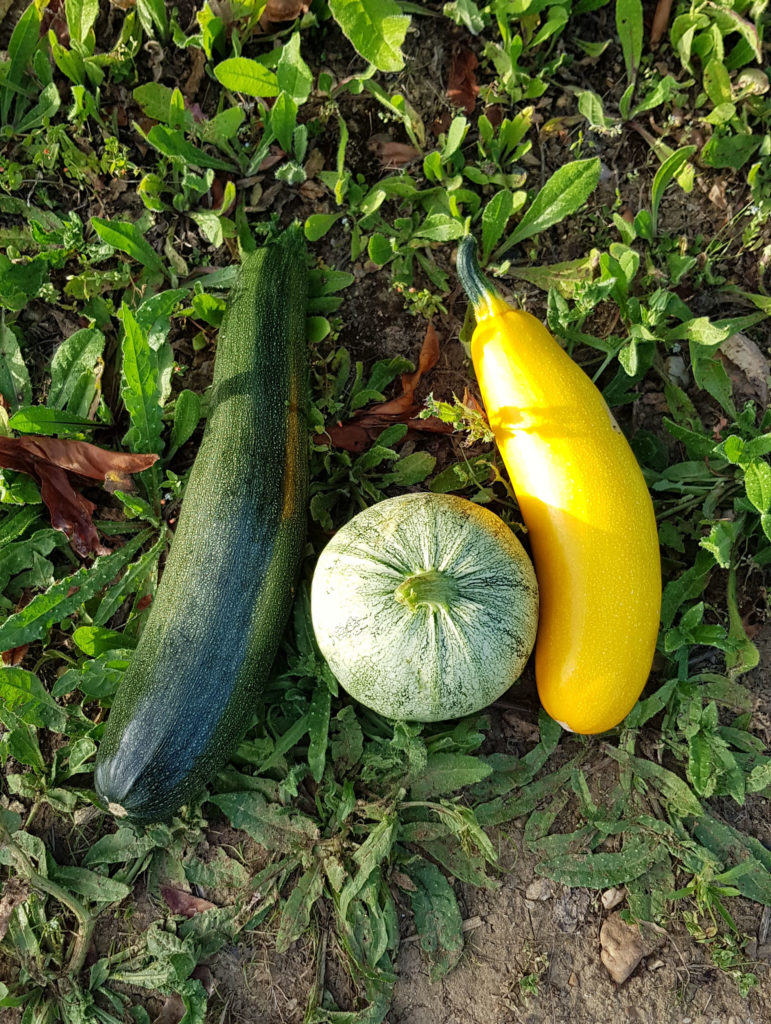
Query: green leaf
{"type": "Point", "coordinates": [729, 151]}
{"type": "Point", "coordinates": [562, 195]}
{"type": "Point", "coordinates": [23, 694]}
{"type": "Point", "coordinates": [629, 23]}
{"type": "Point", "coordinates": [96, 888]}
{"type": "Point", "coordinates": [139, 387]}
{"type": "Point", "coordinates": [296, 914]}
{"type": "Point", "coordinates": [81, 16]}
{"type": "Point", "coordinates": [465, 13]}
{"type": "Point", "coordinates": [375, 849]}
{"type": "Point", "coordinates": [437, 916]}
{"type": "Point", "coordinates": [376, 29]}
{"type": "Point", "coordinates": [293, 74]}
{"type": "Point", "coordinates": [240, 74]}
{"type": "Point", "coordinates": [602, 870]}
{"type": "Point", "coordinates": [495, 217]}
{"type": "Point", "coordinates": [676, 792]}
{"type": "Point", "coordinates": [446, 772]}
{"type": "Point", "coordinates": [318, 730]}
{"type": "Point", "coordinates": [66, 596]}
{"type": "Point", "coordinates": [38, 419]}
{"type": "Point", "coordinates": [15, 384]}
{"type": "Point", "coordinates": [76, 355]}
{"type": "Point", "coordinates": [187, 414]}
{"type": "Point", "coordinates": [318, 224]}
{"type": "Point", "coordinates": [717, 82]}
{"type": "Point", "coordinates": [757, 483]}
{"type": "Point", "coordinates": [276, 828]}
{"type": "Point", "coordinates": [129, 239]}
{"type": "Point", "coordinates": [21, 47]}
{"type": "Point", "coordinates": [668, 170]}
{"type": "Point", "coordinates": [283, 120]}
{"type": "Point", "coordinates": [155, 100]}
{"type": "Point", "coordinates": [380, 249]}
{"type": "Point", "coordinates": [47, 105]}
{"type": "Point", "coordinates": [173, 144]}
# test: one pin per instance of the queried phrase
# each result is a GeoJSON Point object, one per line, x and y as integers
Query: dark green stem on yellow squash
{"type": "Point", "coordinates": [475, 284]}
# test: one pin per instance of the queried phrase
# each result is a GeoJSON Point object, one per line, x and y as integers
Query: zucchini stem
{"type": "Point", "coordinates": [433, 589]}
{"type": "Point", "coordinates": [482, 294]}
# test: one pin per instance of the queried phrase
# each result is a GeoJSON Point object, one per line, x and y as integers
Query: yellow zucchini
{"type": "Point", "coordinates": [586, 506]}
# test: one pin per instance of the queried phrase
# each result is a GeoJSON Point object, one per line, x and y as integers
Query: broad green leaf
{"type": "Point", "coordinates": [276, 828]}
{"type": "Point", "coordinates": [155, 100]}
{"type": "Point", "coordinates": [240, 74]}
{"type": "Point", "coordinates": [22, 45]}
{"type": "Point", "coordinates": [173, 144]}
{"type": "Point", "coordinates": [24, 695]}
{"type": "Point", "coordinates": [465, 13]}
{"type": "Point", "coordinates": [380, 249]}
{"type": "Point", "coordinates": [372, 852]}
{"type": "Point", "coordinates": [757, 483]}
{"type": "Point", "coordinates": [729, 151]}
{"type": "Point", "coordinates": [317, 225]}
{"type": "Point", "coordinates": [96, 888]}
{"type": "Point", "coordinates": [66, 596]}
{"type": "Point", "coordinates": [686, 587]}
{"type": "Point", "coordinates": [318, 729]}
{"type": "Point", "coordinates": [292, 73]}
{"type": "Point", "coordinates": [717, 82]}
{"type": "Point", "coordinates": [81, 15]}
{"type": "Point", "coordinates": [131, 580]}
{"type": "Point", "coordinates": [668, 170]}
{"type": "Point", "coordinates": [139, 387]}
{"type": "Point", "coordinates": [15, 384]}
{"type": "Point", "coordinates": [733, 847]}
{"type": "Point", "coordinates": [283, 120]}
{"type": "Point", "coordinates": [376, 29]}
{"type": "Point", "coordinates": [411, 469]}
{"type": "Point", "coordinates": [437, 916]}
{"type": "Point", "coordinates": [16, 557]}
{"type": "Point", "coordinates": [447, 772]}
{"type": "Point", "coordinates": [187, 414]}
{"type": "Point", "coordinates": [129, 239]}
{"type": "Point", "coordinates": [562, 195]}
{"type": "Point", "coordinates": [76, 354]}
{"type": "Point", "coordinates": [296, 913]}
{"type": "Point", "coordinates": [39, 419]}
{"type": "Point", "coordinates": [676, 792]}
{"type": "Point", "coordinates": [495, 217]}
{"type": "Point", "coordinates": [45, 108]}
{"type": "Point", "coordinates": [602, 870]}
{"type": "Point", "coordinates": [629, 23]}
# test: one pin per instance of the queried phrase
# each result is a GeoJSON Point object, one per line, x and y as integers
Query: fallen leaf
{"type": "Point", "coordinates": [15, 656]}
{"type": "Point", "coordinates": [462, 88]}
{"type": "Point", "coordinates": [50, 459]}
{"type": "Point", "coordinates": [182, 902]}
{"type": "Point", "coordinates": [15, 892]}
{"type": "Point", "coordinates": [660, 20]}
{"type": "Point", "coordinates": [277, 11]}
{"type": "Point", "coordinates": [357, 434]}
{"type": "Point", "coordinates": [392, 154]}
{"type": "Point", "coordinates": [172, 1011]}
{"type": "Point", "coordinates": [748, 368]}
{"type": "Point", "coordinates": [194, 79]}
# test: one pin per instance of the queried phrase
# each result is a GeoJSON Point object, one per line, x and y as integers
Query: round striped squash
{"type": "Point", "coordinates": [425, 607]}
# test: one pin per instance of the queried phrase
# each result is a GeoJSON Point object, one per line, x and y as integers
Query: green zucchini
{"type": "Point", "coordinates": [195, 679]}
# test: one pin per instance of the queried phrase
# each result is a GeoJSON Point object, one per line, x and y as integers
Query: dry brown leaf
{"type": "Point", "coordinates": [660, 20]}
{"type": "Point", "coordinates": [50, 459]}
{"type": "Point", "coordinates": [392, 154]}
{"type": "Point", "coordinates": [197, 72]}
{"type": "Point", "coordinates": [748, 368]}
{"type": "Point", "coordinates": [182, 902]}
{"type": "Point", "coordinates": [15, 656]}
{"type": "Point", "coordinates": [15, 892]}
{"type": "Point", "coordinates": [278, 11]}
{"type": "Point", "coordinates": [462, 88]}
{"type": "Point", "coordinates": [172, 1011]}
{"type": "Point", "coordinates": [357, 434]}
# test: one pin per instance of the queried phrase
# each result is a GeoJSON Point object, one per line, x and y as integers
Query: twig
{"type": "Point", "coordinates": [660, 20]}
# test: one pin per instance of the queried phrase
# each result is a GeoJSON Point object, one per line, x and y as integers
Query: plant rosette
{"type": "Point", "coordinates": [425, 607]}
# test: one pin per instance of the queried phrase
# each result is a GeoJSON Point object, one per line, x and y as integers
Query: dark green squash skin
{"type": "Point", "coordinates": [216, 622]}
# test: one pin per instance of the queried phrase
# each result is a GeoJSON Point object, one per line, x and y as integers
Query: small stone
{"type": "Point", "coordinates": [656, 965]}
{"type": "Point", "coordinates": [573, 980]}
{"type": "Point", "coordinates": [612, 897]}
{"type": "Point", "coordinates": [540, 889]}
{"type": "Point", "coordinates": [624, 946]}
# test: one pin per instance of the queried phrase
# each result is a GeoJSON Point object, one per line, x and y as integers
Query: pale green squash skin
{"type": "Point", "coordinates": [194, 682]}
{"type": "Point", "coordinates": [431, 663]}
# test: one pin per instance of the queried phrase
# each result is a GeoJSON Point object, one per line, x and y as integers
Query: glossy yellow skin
{"type": "Point", "coordinates": [589, 517]}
